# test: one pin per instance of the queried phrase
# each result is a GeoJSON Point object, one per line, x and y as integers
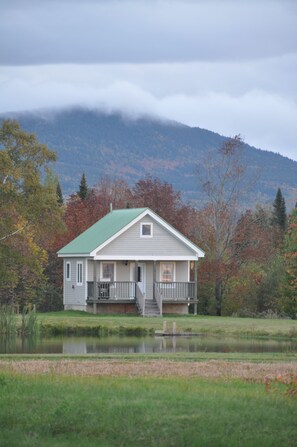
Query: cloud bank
{"type": "Point", "coordinates": [227, 66]}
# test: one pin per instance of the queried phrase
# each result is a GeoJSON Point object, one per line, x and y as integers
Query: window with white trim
{"type": "Point", "coordinates": [107, 271]}
{"type": "Point", "coordinates": [167, 272]}
{"type": "Point", "coordinates": [146, 229]}
{"type": "Point", "coordinates": [79, 273]}
{"type": "Point", "coordinates": [68, 271]}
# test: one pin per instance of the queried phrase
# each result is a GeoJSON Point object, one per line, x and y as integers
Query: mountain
{"type": "Point", "coordinates": [117, 147]}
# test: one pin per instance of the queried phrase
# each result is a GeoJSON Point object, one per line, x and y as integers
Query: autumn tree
{"type": "Point", "coordinates": [113, 192]}
{"type": "Point", "coordinates": [257, 267]}
{"type": "Point", "coordinates": [223, 179]}
{"type": "Point", "coordinates": [29, 212]}
{"type": "Point", "coordinates": [289, 301]}
{"type": "Point", "coordinates": [164, 200]}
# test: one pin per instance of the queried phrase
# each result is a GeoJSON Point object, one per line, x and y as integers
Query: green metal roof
{"type": "Point", "coordinates": [101, 231]}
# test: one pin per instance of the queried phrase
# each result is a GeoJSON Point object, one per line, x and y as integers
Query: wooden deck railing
{"type": "Point", "coordinates": [177, 291]}
{"type": "Point", "coordinates": [112, 290]}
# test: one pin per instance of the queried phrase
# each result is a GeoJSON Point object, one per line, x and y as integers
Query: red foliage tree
{"type": "Point", "coordinates": [165, 201]}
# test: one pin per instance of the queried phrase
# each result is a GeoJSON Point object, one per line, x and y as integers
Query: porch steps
{"type": "Point", "coordinates": [151, 309]}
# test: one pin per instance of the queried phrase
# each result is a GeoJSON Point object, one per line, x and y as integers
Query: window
{"type": "Point", "coordinates": [146, 229]}
{"type": "Point", "coordinates": [167, 272]}
{"type": "Point", "coordinates": [107, 271]}
{"type": "Point", "coordinates": [68, 271]}
{"type": "Point", "coordinates": [79, 274]}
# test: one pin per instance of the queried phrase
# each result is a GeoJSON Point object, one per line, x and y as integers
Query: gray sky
{"type": "Point", "coordinates": [225, 65]}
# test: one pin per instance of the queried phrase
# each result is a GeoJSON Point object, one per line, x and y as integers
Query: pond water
{"type": "Point", "coordinates": [140, 345]}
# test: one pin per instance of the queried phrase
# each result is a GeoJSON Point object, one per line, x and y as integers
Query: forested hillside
{"type": "Point", "coordinates": [111, 146]}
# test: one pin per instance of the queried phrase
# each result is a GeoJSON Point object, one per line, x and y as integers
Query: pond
{"type": "Point", "coordinates": [141, 345]}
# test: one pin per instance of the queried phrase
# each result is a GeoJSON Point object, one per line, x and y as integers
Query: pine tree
{"type": "Point", "coordinates": [59, 194]}
{"type": "Point", "coordinates": [83, 188]}
{"type": "Point", "coordinates": [279, 215]}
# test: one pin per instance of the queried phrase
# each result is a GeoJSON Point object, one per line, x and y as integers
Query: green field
{"type": "Point", "coordinates": [95, 411]}
{"type": "Point", "coordinates": [89, 324]}
{"type": "Point", "coordinates": [85, 406]}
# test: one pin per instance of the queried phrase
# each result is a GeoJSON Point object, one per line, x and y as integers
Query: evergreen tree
{"type": "Point", "coordinates": [83, 188]}
{"type": "Point", "coordinates": [59, 194]}
{"type": "Point", "coordinates": [279, 215]}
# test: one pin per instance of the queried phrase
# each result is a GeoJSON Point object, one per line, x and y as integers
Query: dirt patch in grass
{"type": "Point", "coordinates": [213, 369]}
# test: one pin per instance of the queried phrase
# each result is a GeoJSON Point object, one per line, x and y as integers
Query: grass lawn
{"type": "Point", "coordinates": [89, 324]}
{"type": "Point", "coordinates": [179, 399]}
{"type": "Point", "coordinates": [52, 410]}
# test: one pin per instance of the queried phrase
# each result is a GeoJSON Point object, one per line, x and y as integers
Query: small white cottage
{"type": "Point", "coordinates": [130, 261]}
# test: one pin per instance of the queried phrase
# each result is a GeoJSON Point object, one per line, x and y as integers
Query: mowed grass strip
{"type": "Point", "coordinates": [56, 410]}
{"type": "Point", "coordinates": [89, 324]}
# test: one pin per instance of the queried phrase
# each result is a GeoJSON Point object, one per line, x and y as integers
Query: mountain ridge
{"type": "Point", "coordinates": [117, 146]}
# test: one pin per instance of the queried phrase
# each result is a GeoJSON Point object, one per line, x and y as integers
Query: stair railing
{"type": "Point", "coordinates": [140, 300]}
{"type": "Point", "coordinates": [158, 298]}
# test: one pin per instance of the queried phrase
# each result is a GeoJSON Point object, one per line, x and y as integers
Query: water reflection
{"type": "Point", "coordinates": [140, 345]}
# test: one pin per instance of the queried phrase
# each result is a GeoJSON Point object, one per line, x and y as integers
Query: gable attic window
{"type": "Point", "coordinates": [146, 229]}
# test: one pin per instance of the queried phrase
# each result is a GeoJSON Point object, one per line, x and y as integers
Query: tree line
{"type": "Point", "coordinates": [250, 268]}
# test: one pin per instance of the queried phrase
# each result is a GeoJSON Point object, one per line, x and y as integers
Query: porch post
{"type": "Point", "coordinates": [94, 287]}
{"type": "Point", "coordinates": [94, 281]}
{"type": "Point", "coordinates": [154, 278]}
{"type": "Point", "coordinates": [195, 286]}
{"type": "Point", "coordinates": [136, 271]}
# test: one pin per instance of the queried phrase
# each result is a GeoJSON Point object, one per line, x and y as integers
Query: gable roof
{"type": "Point", "coordinates": [101, 231]}
{"type": "Point", "coordinates": [111, 226]}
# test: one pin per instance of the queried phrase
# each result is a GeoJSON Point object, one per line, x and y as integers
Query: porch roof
{"type": "Point", "coordinates": [101, 231]}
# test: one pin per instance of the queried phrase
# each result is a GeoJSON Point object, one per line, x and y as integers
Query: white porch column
{"type": "Point", "coordinates": [195, 286]}
{"type": "Point", "coordinates": [154, 278]}
{"type": "Point", "coordinates": [136, 271]}
{"type": "Point", "coordinates": [95, 294]}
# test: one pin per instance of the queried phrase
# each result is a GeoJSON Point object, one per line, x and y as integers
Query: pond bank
{"type": "Point", "coordinates": [80, 323]}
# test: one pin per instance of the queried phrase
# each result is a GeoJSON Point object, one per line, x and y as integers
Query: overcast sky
{"type": "Point", "coordinates": [225, 65]}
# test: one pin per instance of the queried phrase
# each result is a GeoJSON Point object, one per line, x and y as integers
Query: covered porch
{"type": "Point", "coordinates": [107, 293]}
{"type": "Point", "coordinates": [149, 287]}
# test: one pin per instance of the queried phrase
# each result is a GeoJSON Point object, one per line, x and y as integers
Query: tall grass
{"type": "Point", "coordinates": [29, 323]}
{"type": "Point", "coordinates": [8, 322]}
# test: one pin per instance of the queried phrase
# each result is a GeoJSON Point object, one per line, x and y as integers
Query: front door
{"type": "Point", "coordinates": [141, 277]}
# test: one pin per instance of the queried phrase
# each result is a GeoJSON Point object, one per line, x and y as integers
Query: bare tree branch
{"type": "Point", "coordinates": [14, 232]}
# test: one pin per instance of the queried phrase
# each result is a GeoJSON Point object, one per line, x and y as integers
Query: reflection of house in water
{"type": "Point", "coordinates": [146, 345]}
{"type": "Point", "coordinates": [114, 345]}
{"type": "Point", "coordinates": [75, 346]}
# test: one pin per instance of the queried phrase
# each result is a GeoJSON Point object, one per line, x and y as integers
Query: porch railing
{"type": "Point", "coordinates": [111, 290]}
{"type": "Point", "coordinates": [176, 291]}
